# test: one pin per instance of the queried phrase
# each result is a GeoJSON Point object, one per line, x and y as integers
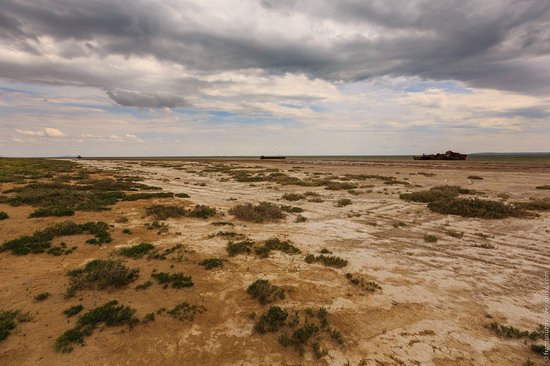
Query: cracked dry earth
{"type": "Point", "coordinates": [434, 306]}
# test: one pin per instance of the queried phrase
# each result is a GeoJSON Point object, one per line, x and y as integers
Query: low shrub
{"type": "Point", "coordinates": [430, 238]}
{"type": "Point", "coordinates": [161, 212]}
{"type": "Point", "coordinates": [8, 321]}
{"type": "Point", "coordinates": [211, 263]}
{"type": "Point", "coordinates": [101, 274]}
{"type": "Point", "coordinates": [73, 310]}
{"type": "Point", "coordinates": [263, 212]}
{"type": "Point", "coordinates": [475, 177]}
{"type": "Point", "coordinates": [136, 251]}
{"type": "Point", "coordinates": [328, 261]}
{"type": "Point", "coordinates": [177, 280]}
{"type": "Point", "coordinates": [42, 296]}
{"type": "Point", "coordinates": [475, 207]}
{"type": "Point", "coordinates": [3, 215]}
{"type": "Point", "coordinates": [547, 187]}
{"type": "Point", "coordinates": [241, 247]}
{"type": "Point", "coordinates": [111, 314]}
{"type": "Point", "coordinates": [542, 204]}
{"type": "Point", "coordinates": [265, 292]}
{"type": "Point", "coordinates": [293, 196]}
{"type": "Point", "coordinates": [272, 320]}
{"type": "Point", "coordinates": [185, 311]}
{"type": "Point", "coordinates": [276, 244]}
{"type": "Point", "coordinates": [435, 194]}
{"type": "Point", "coordinates": [52, 211]}
{"type": "Point", "coordinates": [202, 212]}
{"type": "Point", "coordinates": [343, 202]}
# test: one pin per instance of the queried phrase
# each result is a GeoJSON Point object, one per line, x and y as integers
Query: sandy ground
{"type": "Point", "coordinates": [434, 307]}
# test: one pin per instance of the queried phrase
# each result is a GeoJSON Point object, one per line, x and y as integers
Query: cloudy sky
{"type": "Point", "coordinates": [252, 77]}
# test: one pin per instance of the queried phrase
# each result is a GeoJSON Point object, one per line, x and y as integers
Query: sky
{"type": "Point", "coordinates": [284, 77]}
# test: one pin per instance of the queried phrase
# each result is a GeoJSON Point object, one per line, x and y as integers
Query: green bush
{"type": "Point", "coordinates": [160, 212]}
{"type": "Point", "coordinates": [185, 311]}
{"type": "Point", "coordinates": [241, 247]}
{"type": "Point", "coordinates": [41, 296]}
{"type": "Point", "coordinates": [101, 274]}
{"type": "Point", "coordinates": [475, 207]}
{"type": "Point", "coordinates": [136, 251]}
{"type": "Point", "coordinates": [3, 215]}
{"type": "Point", "coordinates": [343, 202]}
{"type": "Point", "coordinates": [263, 212]}
{"type": "Point", "coordinates": [293, 196]}
{"type": "Point", "coordinates": [73, 310]}
{"type": "Point", "coordinates": [328, 261]}
{"type": "Point", "coordinates": [52, 211]}
{"type": "Point", "coordinates": [40, 241]}
{"type": "Point", "coordinates": [178, 280]}
{"type": "Point", "coordinates": [276, 244]}
{"type": "Point", "coordinates": [211, 263]}
{"type": "Point", "coordinates": [265, 292]}
{"type": "Point", "coordinates": [272, 320]}
{"type": "Point", "coordinates": [202, 212]}
{"type": "Point", "coordinates": [8, 320]}
{"type": "Point", "coordinates": [111, 314]}
{"type": "Point", "coordinates": [430, 238]}
{"type": "Point", "coordinates": [435, 194]}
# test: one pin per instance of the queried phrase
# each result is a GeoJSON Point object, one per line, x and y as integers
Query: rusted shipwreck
{"type": "Point", "coordinates": [449, 155]}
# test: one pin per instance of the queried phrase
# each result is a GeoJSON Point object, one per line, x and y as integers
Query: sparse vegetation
{"type": "Point", "coordinates": [3, 215]}
{"type": "Point", "coordinates": [356, 280]}
{"type": "Point", "coordinates": [101, 274]}
{"type": "Point", "coordinates": [546, 187]}
{"type": "Point", "coordinates": [177, 280]}
{"type": "Point", "coordinates": [300, 218]}
{"type": "Point", "coordinates": [343, 202]}
{"type": "Point", "coordinates": [42, 296]}
{"type": "Point", "coordinates": [455, 234]}
{"type": "Point", "coordinates": [73, 310]}
{"type": "Point", "coordinates": [271, 321]}
{"type": "Point", "coordinates": [111, 314]}
{"type": "Point", "coordinates": [144, 285]}
{"type": "Point", "coordinates": [241, 247]}
{"type": "Point", "coordinates": [293, 196]}
{"type": "Point", "coordinates": [185, 311]}
{"type": "Point", "coordinates": [429, 238]}
{"type": "Point", "coordinates": [161, 212]}
{"type": "Point", "coordinates": [9, 319]}
{"type": "Point", "coordinates": [52, 211]}
{"type": "Point", "coordinates": [475, 177]}
{"type": "Point", "coordinates": [328, 261]}
{"type": "Point", "coordinates": [211, 263]}
{"type": "Point", "coordinates": [435, 194]}
{"type": "Point", "coordinates": [475, 207]}
{"type": "Point", "coordinates": [263, 212]}
{"type": "Point", "coordinates": [136, 251]}
{"type": "Point", "coordinates": [542, 204]}
{"type": "Point", "coordinates": [291, 209]}
{"type": "Point", "coordinates": [265, 292]}
{"type": "Point", "coordinates": [40, 241]}
{"type": "Point", "coordinates": [127, 231]}
{"type": "Point", "coordinates": [284, 246]}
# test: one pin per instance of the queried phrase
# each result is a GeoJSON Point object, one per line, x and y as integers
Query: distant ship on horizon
{"type": "Point", "coordinates": [448, 155]}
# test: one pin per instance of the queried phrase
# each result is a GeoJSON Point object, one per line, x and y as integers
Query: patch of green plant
{"type": "Point", "coordinates": [127, 231]}
{"type": "Point", "coordinates": [513, 332]}
{"type": "Point", "coordinates": [262, 212]}
{"type": "Point", "coordinates": [211, 263]}
{"type": "Point", "coordinates": [182, 195]}
{"type": "Point", "coordinates": [435, 194]}
{"type": "Point", "coordinates": [475, 177]}
{"type": "Point", "coordinates": [429, 238]}
{"type": "Point", "coordinates": [144, 285]}
{"type": "Point", "coordinates": [343, 202]}
{"type": "Point", "coordinates": [202, 212]}
{"type": "Point", "coordinates": [177, 280]}
{"type": "Point", "coordinates": [101, 274]}
{"type": "Point", "coordinates": [300, 218]}
{"type": "Point", "coordinates": [222, 223]}
{"type": "Point", "coordinates": [475, 207]}
{"type": "Point", "coordinates": [40, 241]}
{"type": "Point", "coordinates": [162, 212]}
{"type": "Point", "coordinates": [455, 234]}
{"type": "Point", "coordinates": [547, 187]}
{"type": "Point", "coordinates": [328, 261]}
{"type": "Point", "coordinates": [337, 186]}
{"type": "Point", "coordinates": [42, 296]}
{"type": "Point", "coordinates": [9, 319]}
{"type": "Point", "coordinates": [228, 235]}
{"type": "Point", "coordinates": [291, 209]}
{"type": "Point", "coordinates": [186, 311]}
{"type": "Point", "coordinates": [265, 292]}
{"type": "Point", "coordinates": [52, 211]}
{"type": "Point", "coordinates": [271, 321]}
{"type": "Point", "coordinates": [73, 310]}
{"type": "Point", "coordinates": [542, 204]}
{"type": "Point", "coordinates": [146, 195]}
{"type": "Point", "coordinates": [3, 215]}
{"type": "Point", "coordinates": [293, 196]}
{"type": "Point", "coordinates": [540, 349]}
{"type": "Point", "coordinates": [162, 255]}
{"type": "Point", "coordinates": [136, 251]}
{"type": "Point", "coordinates": [356, 280]}
{"type": "Point", "coordinates": [161, 227]}
{"type": "Point", "coordinates": [241, 247]}
{"type": "Point", "coordinates": [111, 314]}
{"type": "Point", "coordinates": [284, 246]}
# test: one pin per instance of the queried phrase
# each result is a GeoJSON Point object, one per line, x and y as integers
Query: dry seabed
{"type": "Point", "coordinates": [388, 282]}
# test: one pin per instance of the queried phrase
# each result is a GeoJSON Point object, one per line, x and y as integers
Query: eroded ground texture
{"type": "Point", "coordinates": [434, 305]}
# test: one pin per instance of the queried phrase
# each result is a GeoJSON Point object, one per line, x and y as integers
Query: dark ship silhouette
{"type": "Point", "coordinates": [449, 155]}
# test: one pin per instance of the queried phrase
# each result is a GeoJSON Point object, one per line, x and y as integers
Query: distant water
{"type": "Point", "coordinates": [511, 158]}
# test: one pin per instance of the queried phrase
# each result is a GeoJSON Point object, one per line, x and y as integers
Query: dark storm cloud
{"type": "Point", "coordinates": [502, 44]}
{"type": "Point", "coordinates": [144, 100]}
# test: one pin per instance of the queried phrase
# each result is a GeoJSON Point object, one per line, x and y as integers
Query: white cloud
{"type": "Point", "coordinates": [46, 132]}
